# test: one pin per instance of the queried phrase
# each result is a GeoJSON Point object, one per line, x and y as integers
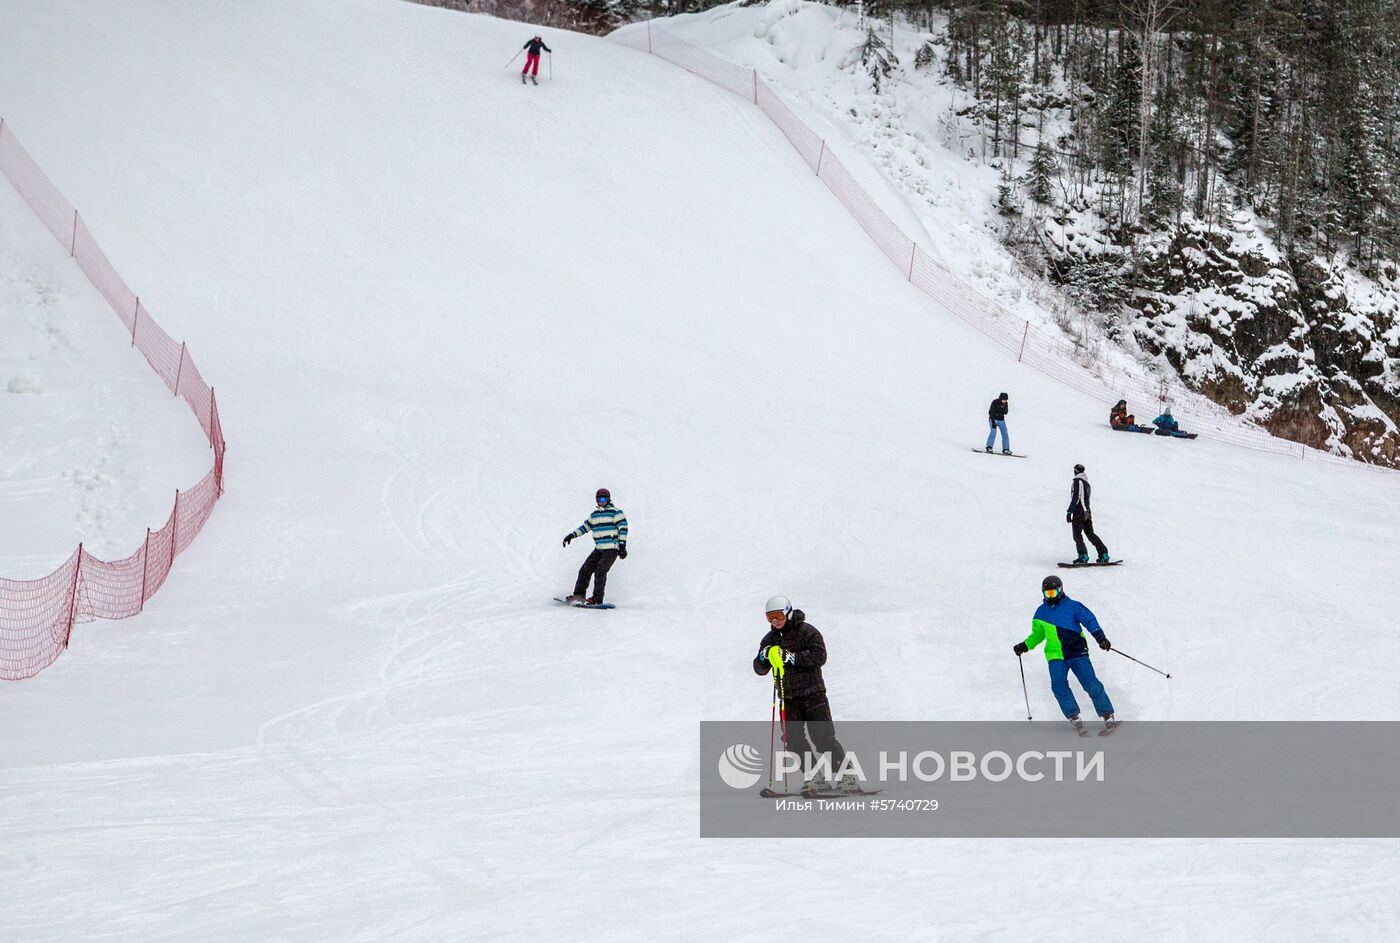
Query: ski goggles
{"type": "Point", "coordinates": [1051, 593]}
{"type": "Point", "coordinates": [776, 616]}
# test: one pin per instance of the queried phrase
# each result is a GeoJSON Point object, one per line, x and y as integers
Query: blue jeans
{"type": "Point", "coordinates": [1083, 669]}
{"type": "Point", "coordinates": [994, 425]}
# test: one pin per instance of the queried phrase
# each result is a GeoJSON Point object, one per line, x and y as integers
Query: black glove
{"type": "Point", "coordinates": [567, 538]}
{"type": "Point", "coordinates": [622, 549]}
{"type": "Point", "coordinates": [1020, 648]}
{"type": "Point", "coordinates": [1103, 641]}
{"type": "Point", "coordinates": [1069, 518]}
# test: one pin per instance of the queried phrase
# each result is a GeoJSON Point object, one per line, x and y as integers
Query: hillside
{"type": "Point", "coordinates": [441, 308]}
{"type": "Point", "coordinates": [1209, 226]}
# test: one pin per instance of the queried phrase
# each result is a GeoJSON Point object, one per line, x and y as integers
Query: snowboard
{"type": "Point", "coordinates": [1075, 566]}
{"type": "Point", "coordinates": [1177, 435]}
{"type": "Point", "coordinates": [1002, 454]}
{"type": "Point", "coordinates": [772, 794]}
{"type": "Point", "coordinates": [584, 605]}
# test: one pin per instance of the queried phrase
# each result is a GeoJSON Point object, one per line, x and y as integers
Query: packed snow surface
{"type": "Point", "coordinates": [92, 444]}
{"type": "Point", "coordinates": [440, 309]}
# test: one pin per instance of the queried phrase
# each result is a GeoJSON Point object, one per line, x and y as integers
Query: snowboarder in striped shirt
{"type": "Point", "coordinates": [609, 528]}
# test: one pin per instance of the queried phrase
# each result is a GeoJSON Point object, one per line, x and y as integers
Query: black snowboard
{"type": "Point", "coordinates": [1075, 566]}
{"type": "Point", "coordinates": [584, 605]}
{"type": "Point", "coordinates": [1002, 454]}
{"type": "Point", "coordinates": [1178, 435]}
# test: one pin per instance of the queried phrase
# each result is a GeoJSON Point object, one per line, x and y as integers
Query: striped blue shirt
{"type": "Point", "coordinates": [608, 525]}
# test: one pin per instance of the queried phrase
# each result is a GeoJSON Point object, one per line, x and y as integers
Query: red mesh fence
{"type": "Point", "coordinates": [37, 616]}
{"type": "Point", "coordinates": [1073, 362]}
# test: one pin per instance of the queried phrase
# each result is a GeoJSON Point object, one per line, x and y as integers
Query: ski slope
{"type": "Point", "coordinates": [440, 309]}
{"type": "Point", "coordinates": [92, 444]}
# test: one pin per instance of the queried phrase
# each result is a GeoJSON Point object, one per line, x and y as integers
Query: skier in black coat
{"type": "Point", "coordinates": [532, 58]}
{"type": "Point", "coordinates": [996, 419]}
{"type": "Point", "coordinates": [1081, 516]}
{"type": "Point", "coordinates": [807, 713]}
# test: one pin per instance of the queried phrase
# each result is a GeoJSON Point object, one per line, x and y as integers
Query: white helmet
{"type": "Point", "coordinates": [779, 604]}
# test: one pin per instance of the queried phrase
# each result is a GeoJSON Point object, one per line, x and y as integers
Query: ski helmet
{"type": "Point", "coordinates": [1079, 469]}
{"type": "Point", "coordinates": [1052, 587]}
{"type": "Point", "coordinates": [778, 604]}
{"type": "Point", "coordinates": [603, 494]}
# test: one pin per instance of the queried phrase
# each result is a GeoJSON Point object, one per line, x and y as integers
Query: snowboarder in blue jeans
{"type": "Point", "coordinates": [996, 419]}
{"type": "Point", "coordinates": [1060, 623]}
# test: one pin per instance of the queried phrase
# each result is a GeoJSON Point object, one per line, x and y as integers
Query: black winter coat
{"type": "Point", "coordinates": [534, 46]}
{"type": "Point", "coordinates": [1079, 492]}
{"type": "Point", "coordinates": [804, 677]}
{"type": "Point", "coordinates": [998, 410]}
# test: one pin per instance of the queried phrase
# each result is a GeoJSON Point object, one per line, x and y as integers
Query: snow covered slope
{"type": "Point", "coordinates": [92, 444]}
{"type": "Point", "coordinates": [444, 308]}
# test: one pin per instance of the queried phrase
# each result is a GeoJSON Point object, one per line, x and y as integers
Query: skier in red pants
{"type": "Point", "coordinates": [532, 59]}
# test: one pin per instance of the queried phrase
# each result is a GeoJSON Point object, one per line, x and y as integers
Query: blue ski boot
{"type": "Point", "coordinates": [1103, 557]}
{"type": "Point", "coordinates": [1082, 558]}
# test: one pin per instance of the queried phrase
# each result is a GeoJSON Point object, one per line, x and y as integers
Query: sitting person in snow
{"type": "Point", "coordinates": [1165, 424]}
{"type": "Point", "coordinates": [1120, 418]}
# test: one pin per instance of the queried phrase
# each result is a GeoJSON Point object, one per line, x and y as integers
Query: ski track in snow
{"type": "Point", "coordinates": [438, 321]}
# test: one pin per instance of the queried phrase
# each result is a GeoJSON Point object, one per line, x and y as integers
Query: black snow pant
{"type": "Point", "coordinates": [597, 565]}
{"type": "Point", "coordinates": [810, 718]}
{"type": "Point", "coordinates": [1084, 525]}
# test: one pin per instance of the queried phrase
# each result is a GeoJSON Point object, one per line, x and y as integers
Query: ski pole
{"type": "Point", "coordinates": [551, 67]}
{"type": "Point", "coordinates": [775, 658]}
{"type": "Point", "coordinates": [1024, 692]}
{"type": "Point", "coordinates": [1143, 663]}
{"type": "Point", "coordinates": [513, 58]}
{"type": "Point", "coordinates": [782, 720]}
{"type": "Point", "coordinates": [772, 726]}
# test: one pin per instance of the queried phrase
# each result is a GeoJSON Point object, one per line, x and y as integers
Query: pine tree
{"type": "Point", "coordinates": [1039, 177]}
{"type": "Point", "coordinates": [876, 58]}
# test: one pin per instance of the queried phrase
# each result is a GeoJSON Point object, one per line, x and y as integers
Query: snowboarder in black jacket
{"type": "Point", "coordinates": [996, 419]}
{"type": "Point", "coordinates": [807, 713]}
{"type": "Point", "coordinates": [532, 58]}
{"type": "Point", "coordinates": [1081, 516]}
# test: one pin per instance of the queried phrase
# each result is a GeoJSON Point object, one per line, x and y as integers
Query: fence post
{"type": "Point", "coordinates": [820, 155]}
{"type": "Point", "coordinates": [1024, 331]}
{"type": "Point", "coordinates": [913, 248]}
{"type": "Point", "coordinates": [73, 243]}
{"type": "Point", "coordinates": [218, 453]}
{"type": "Point", "coordinates": [73, 597]}
{"type": "Point", "coordinates": [649, 37]}
{"type": "Point", "coordinates": [174, 530]}
{"type": "Point", "coordinates": [135, 316]}
{"type": "Point", "coordinates": [180, 370]}
{"type": "Point", "coordinates": [145, 562]}
{"type": "Point", "coordinates": [755, 86]}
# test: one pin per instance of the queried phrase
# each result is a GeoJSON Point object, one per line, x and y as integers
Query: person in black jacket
{"type": "Point", "coordinates": [806, 710]}
{"type": "Point", "coordinates": [996, 419]}
{"type": "Point", "coordinates": [1081, 516]}
{"type": "Point", "coordinates": [532, 58]}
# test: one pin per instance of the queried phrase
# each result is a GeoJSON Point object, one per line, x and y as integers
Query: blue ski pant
{"type": "Point", "coordinates": [1083, 669]}
{"type": "Point", "coordinates": [994, 425]}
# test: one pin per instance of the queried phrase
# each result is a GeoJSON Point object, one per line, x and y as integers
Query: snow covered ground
{"type": "Point", "coordinates": [92, 444]}
{"type": "Point", "coordinates": [440, 309]}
